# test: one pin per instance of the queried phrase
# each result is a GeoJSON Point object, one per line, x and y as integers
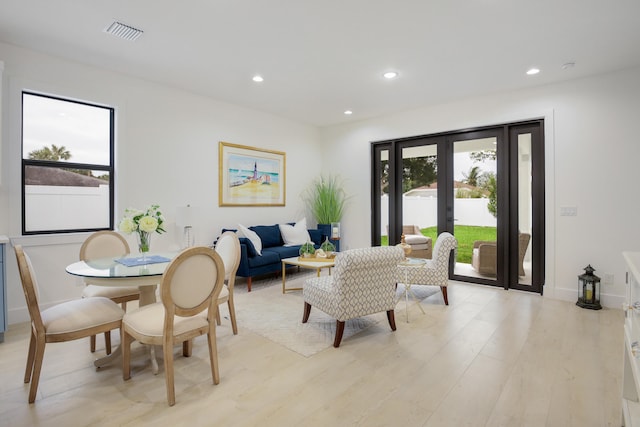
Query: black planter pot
{"type": "Point", "coordinates": [326, 232]}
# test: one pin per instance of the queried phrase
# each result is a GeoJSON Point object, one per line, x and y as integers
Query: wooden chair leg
{"type": "Point", "coordinates": [37, 367]}
{"type": "Point", "coordinates": [248, 284]}
{"type": "Point", "coordinates": [218, 317]}
{"type": "Point", "coordinates": [167, 349]}
{"type": "Point", "coordinates": [444, 294]}
{"type": "Point", "coordinates": [187, 348]}
{"type": "Point", "coordinates": [30, 358]}
{"type": "Point", "coordinates": [126, 354]}
{"type": "Point", "coordinates": [307, 311]}
{"type": "Point", "coordinates": [339, 332]}
{"type": "Point", "coordinates": [232, 314]}
{"type": "Point", "coordinates": [92, 343]}
{"type": "Point", "coordinates": [107, 342]}
{"type": "Point", "coordinates": [213, 356]}
{"type": "Point", "coordinates": [391, 317]}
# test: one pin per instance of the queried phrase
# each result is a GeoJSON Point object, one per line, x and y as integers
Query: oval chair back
{"type": "Point", "coordinates": [192, 282]}
{"type": "Point", "coordinates": [30, 289]}
{"type": "Point", "coordinates": [103, 244]}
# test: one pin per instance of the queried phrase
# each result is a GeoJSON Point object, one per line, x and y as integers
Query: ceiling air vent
{"type": "Point", "coordinates": [123, 31]}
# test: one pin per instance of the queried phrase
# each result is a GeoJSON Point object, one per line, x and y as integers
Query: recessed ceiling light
{"type": "Point", "coordinates": [348, 112]}
{"type": "Point", "coordinates": [257, 79]}
{"type": "Point", "coordinates": [532, 71]}
{"type": "Point", "coordinates": [390, 75]}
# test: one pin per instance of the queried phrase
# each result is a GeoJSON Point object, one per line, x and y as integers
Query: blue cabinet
{"type": "Point", "coordinates": [3, 290]}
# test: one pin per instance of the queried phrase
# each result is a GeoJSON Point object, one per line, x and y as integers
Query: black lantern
{"type": "Point", "coordinates": [589, 289]}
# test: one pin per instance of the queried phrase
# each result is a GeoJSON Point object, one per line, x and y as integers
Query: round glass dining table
{"type": "Point", "coordinates": [109, 272]}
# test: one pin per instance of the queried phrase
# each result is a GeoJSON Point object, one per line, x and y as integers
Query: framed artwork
{"type": "Point", "coordinates": [249, 176]}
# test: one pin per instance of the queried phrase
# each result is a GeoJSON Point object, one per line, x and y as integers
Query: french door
{"type": "Point", "coordinates": [485, 186]}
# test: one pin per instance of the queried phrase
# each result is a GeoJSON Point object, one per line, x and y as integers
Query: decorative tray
{"type": "Point", "coordinates": [317, 259]}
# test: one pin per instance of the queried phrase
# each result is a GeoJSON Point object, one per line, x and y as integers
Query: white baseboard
{"type": "Point", "coordinates": [606, 300]}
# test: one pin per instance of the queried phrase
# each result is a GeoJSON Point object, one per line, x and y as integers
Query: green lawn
{"type": "Point", "coordinates": [466, 235]}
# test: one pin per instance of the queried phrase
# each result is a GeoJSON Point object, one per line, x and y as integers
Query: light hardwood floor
{"type": "Point", "coordinates": [491, 358]}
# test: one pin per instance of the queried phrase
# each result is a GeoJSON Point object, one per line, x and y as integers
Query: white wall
{"type": "Point", "coordinates": [592, 154]}
{"type": "Point", "coordinates": [166, 153]}
{"type": "Point", "coordinates": [167, 145]}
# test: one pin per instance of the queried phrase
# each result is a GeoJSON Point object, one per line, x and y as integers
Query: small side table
{"type": "Point", "coordinates": [405, 266]}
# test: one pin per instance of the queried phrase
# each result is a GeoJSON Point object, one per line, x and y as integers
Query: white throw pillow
{"type": "Point", "coordinates": [253, 237]}
{"type": "Point", "coordinates": [294, 235]}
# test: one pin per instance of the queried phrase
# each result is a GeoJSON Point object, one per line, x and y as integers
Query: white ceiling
{"type": "Point", "coordinates": [322, 57]}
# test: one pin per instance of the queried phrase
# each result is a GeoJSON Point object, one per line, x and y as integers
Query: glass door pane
{"type": "Point", "coordinates": [382, 181]}
{"type": "Point", "coordinates": [475, 207]}
{"type": "Point", "coordinates": [420, 198]}
{"type": "Point", "coordinates": [525, 211]}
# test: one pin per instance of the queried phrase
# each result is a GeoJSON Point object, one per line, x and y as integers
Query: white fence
{"type": "Point", "coordinates": [66, 208]}
{"type": "Point", "coordinates": [423, 212]}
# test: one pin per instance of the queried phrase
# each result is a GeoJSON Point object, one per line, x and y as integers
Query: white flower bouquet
{"type": "Point", "coordinates": [143, 223]}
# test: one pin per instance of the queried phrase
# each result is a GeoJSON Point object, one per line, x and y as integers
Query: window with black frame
{"type": "Point", "coordinates": [67, 165]}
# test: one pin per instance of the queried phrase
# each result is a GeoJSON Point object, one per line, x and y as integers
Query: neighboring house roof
{"type": "Point", "coordinates": [434, 186]}
{"type": "Point", "coordinates": [431, 189]}
{"type": "Point", "coordinates": [37, 175]}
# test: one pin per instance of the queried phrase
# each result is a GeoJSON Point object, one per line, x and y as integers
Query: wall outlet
{"type": "Point", "coordinates": [607, 279]}
{"type": "Point", "coordinates": [568, 211]}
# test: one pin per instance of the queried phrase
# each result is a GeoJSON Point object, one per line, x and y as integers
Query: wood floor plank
{"type": "Point", "coordinates": [490, 358]}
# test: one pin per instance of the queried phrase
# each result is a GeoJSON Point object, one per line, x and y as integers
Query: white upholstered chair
{"type": "Point", "coordinates": [362, 283]}
{"type": "Point", "coordinates": [189, 293]}
{"type": "Point", "coordinates": [436, 270]}
{"type": "Point", "coordinates": [67, 321]}
{"type": "Point", "coordinates": [103, 244]}
{"type": "Point", "coordinates": [228, 247]}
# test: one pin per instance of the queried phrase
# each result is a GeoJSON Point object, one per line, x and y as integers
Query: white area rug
{"type": "Point", "coordinates": [277, 317]}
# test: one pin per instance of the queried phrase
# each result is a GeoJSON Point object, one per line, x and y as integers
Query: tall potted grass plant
{"type": "Point", "coordinates": [327, 199]}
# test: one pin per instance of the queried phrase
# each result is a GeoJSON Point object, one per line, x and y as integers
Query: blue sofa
{"type": "Point", "coordinates": [273, 251]}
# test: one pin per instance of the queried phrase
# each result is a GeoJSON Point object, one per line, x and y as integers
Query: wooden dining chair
{"type": "Point", "coordinates": [189, 293]}
{"type": "Point", "coordinates": [228, 247]}
{"type": "Point", "coordinates": [67, 321]}
{"type": "Point", "coordinates": [103, 244]}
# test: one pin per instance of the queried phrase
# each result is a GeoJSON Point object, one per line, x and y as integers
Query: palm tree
{"type": "Point", "coordinates": [60, 153]}
{"type": "Point", "coordinates": [472, 176]}
{"type": "Point", "coordinates": [54, 153]}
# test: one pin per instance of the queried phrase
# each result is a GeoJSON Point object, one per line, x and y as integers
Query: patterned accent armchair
{"type": "Point", "coordinates": [435, 271]}
{"type": "Point", "coordinates": [362, 283]}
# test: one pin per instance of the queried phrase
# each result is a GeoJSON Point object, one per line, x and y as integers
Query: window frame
{"type": "Point", "coordinates": [110, 168]}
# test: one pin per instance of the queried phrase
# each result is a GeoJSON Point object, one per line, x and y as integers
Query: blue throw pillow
{"type": "Point", "coordinates": [251, 250]}
{"type": "Point", "coordinates": [269, 235]}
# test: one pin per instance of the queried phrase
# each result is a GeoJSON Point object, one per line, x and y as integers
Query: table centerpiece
{"type": "Point", "coordinates": [143, 223]}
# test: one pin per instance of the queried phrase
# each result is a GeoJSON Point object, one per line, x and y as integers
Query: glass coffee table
{"type": "Point", "coordinates": [312, 263]}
